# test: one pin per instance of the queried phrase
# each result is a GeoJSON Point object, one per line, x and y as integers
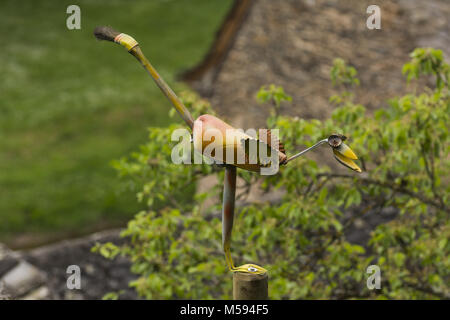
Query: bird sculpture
{"type": "Point", "coordinates": [232, 141]}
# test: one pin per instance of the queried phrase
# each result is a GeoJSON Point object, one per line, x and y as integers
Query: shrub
{"type": "Point", "coordinates": [303, 239]}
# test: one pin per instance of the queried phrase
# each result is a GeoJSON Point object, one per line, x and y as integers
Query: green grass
{"type": "Point", "coordinates": [70, 104]}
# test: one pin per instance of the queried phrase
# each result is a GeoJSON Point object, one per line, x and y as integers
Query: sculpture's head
{"type": "Point", "coordinates": [342, 152]}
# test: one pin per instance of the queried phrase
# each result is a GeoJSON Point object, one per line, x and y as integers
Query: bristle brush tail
{"type": "Point", "coordinates": [109, 34]}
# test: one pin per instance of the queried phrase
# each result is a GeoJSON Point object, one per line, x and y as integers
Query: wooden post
{"type": "Point", "coordinates": [248, 286]}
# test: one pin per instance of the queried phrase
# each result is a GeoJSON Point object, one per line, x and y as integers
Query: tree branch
{"type": "Point", "coordinates": [392, 186]}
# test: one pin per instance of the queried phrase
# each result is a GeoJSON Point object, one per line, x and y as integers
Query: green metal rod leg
{"type": "Point", "coordinates": [229, 196]}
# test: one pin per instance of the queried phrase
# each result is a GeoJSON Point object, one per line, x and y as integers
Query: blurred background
{"type": "Point", "coordinates": [70, 105]}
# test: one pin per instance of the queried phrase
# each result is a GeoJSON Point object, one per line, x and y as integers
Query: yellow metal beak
{"type": "Point", "coordinates": [345, 156]}
{"type": "Point", "coordinates": [345, 150]}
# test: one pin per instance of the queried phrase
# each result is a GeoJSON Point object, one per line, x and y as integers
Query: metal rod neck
{"type": "Point", "coordinates": [306, 150]}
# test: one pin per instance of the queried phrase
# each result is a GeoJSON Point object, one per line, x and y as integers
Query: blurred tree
{"type": "Point", "coordinates": [404, 153]}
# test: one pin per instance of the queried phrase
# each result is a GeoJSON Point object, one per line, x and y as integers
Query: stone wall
{"type": "Point", "coordinates": [41, 273]}
{"type": "Point", "coordinates": [292, 43]}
